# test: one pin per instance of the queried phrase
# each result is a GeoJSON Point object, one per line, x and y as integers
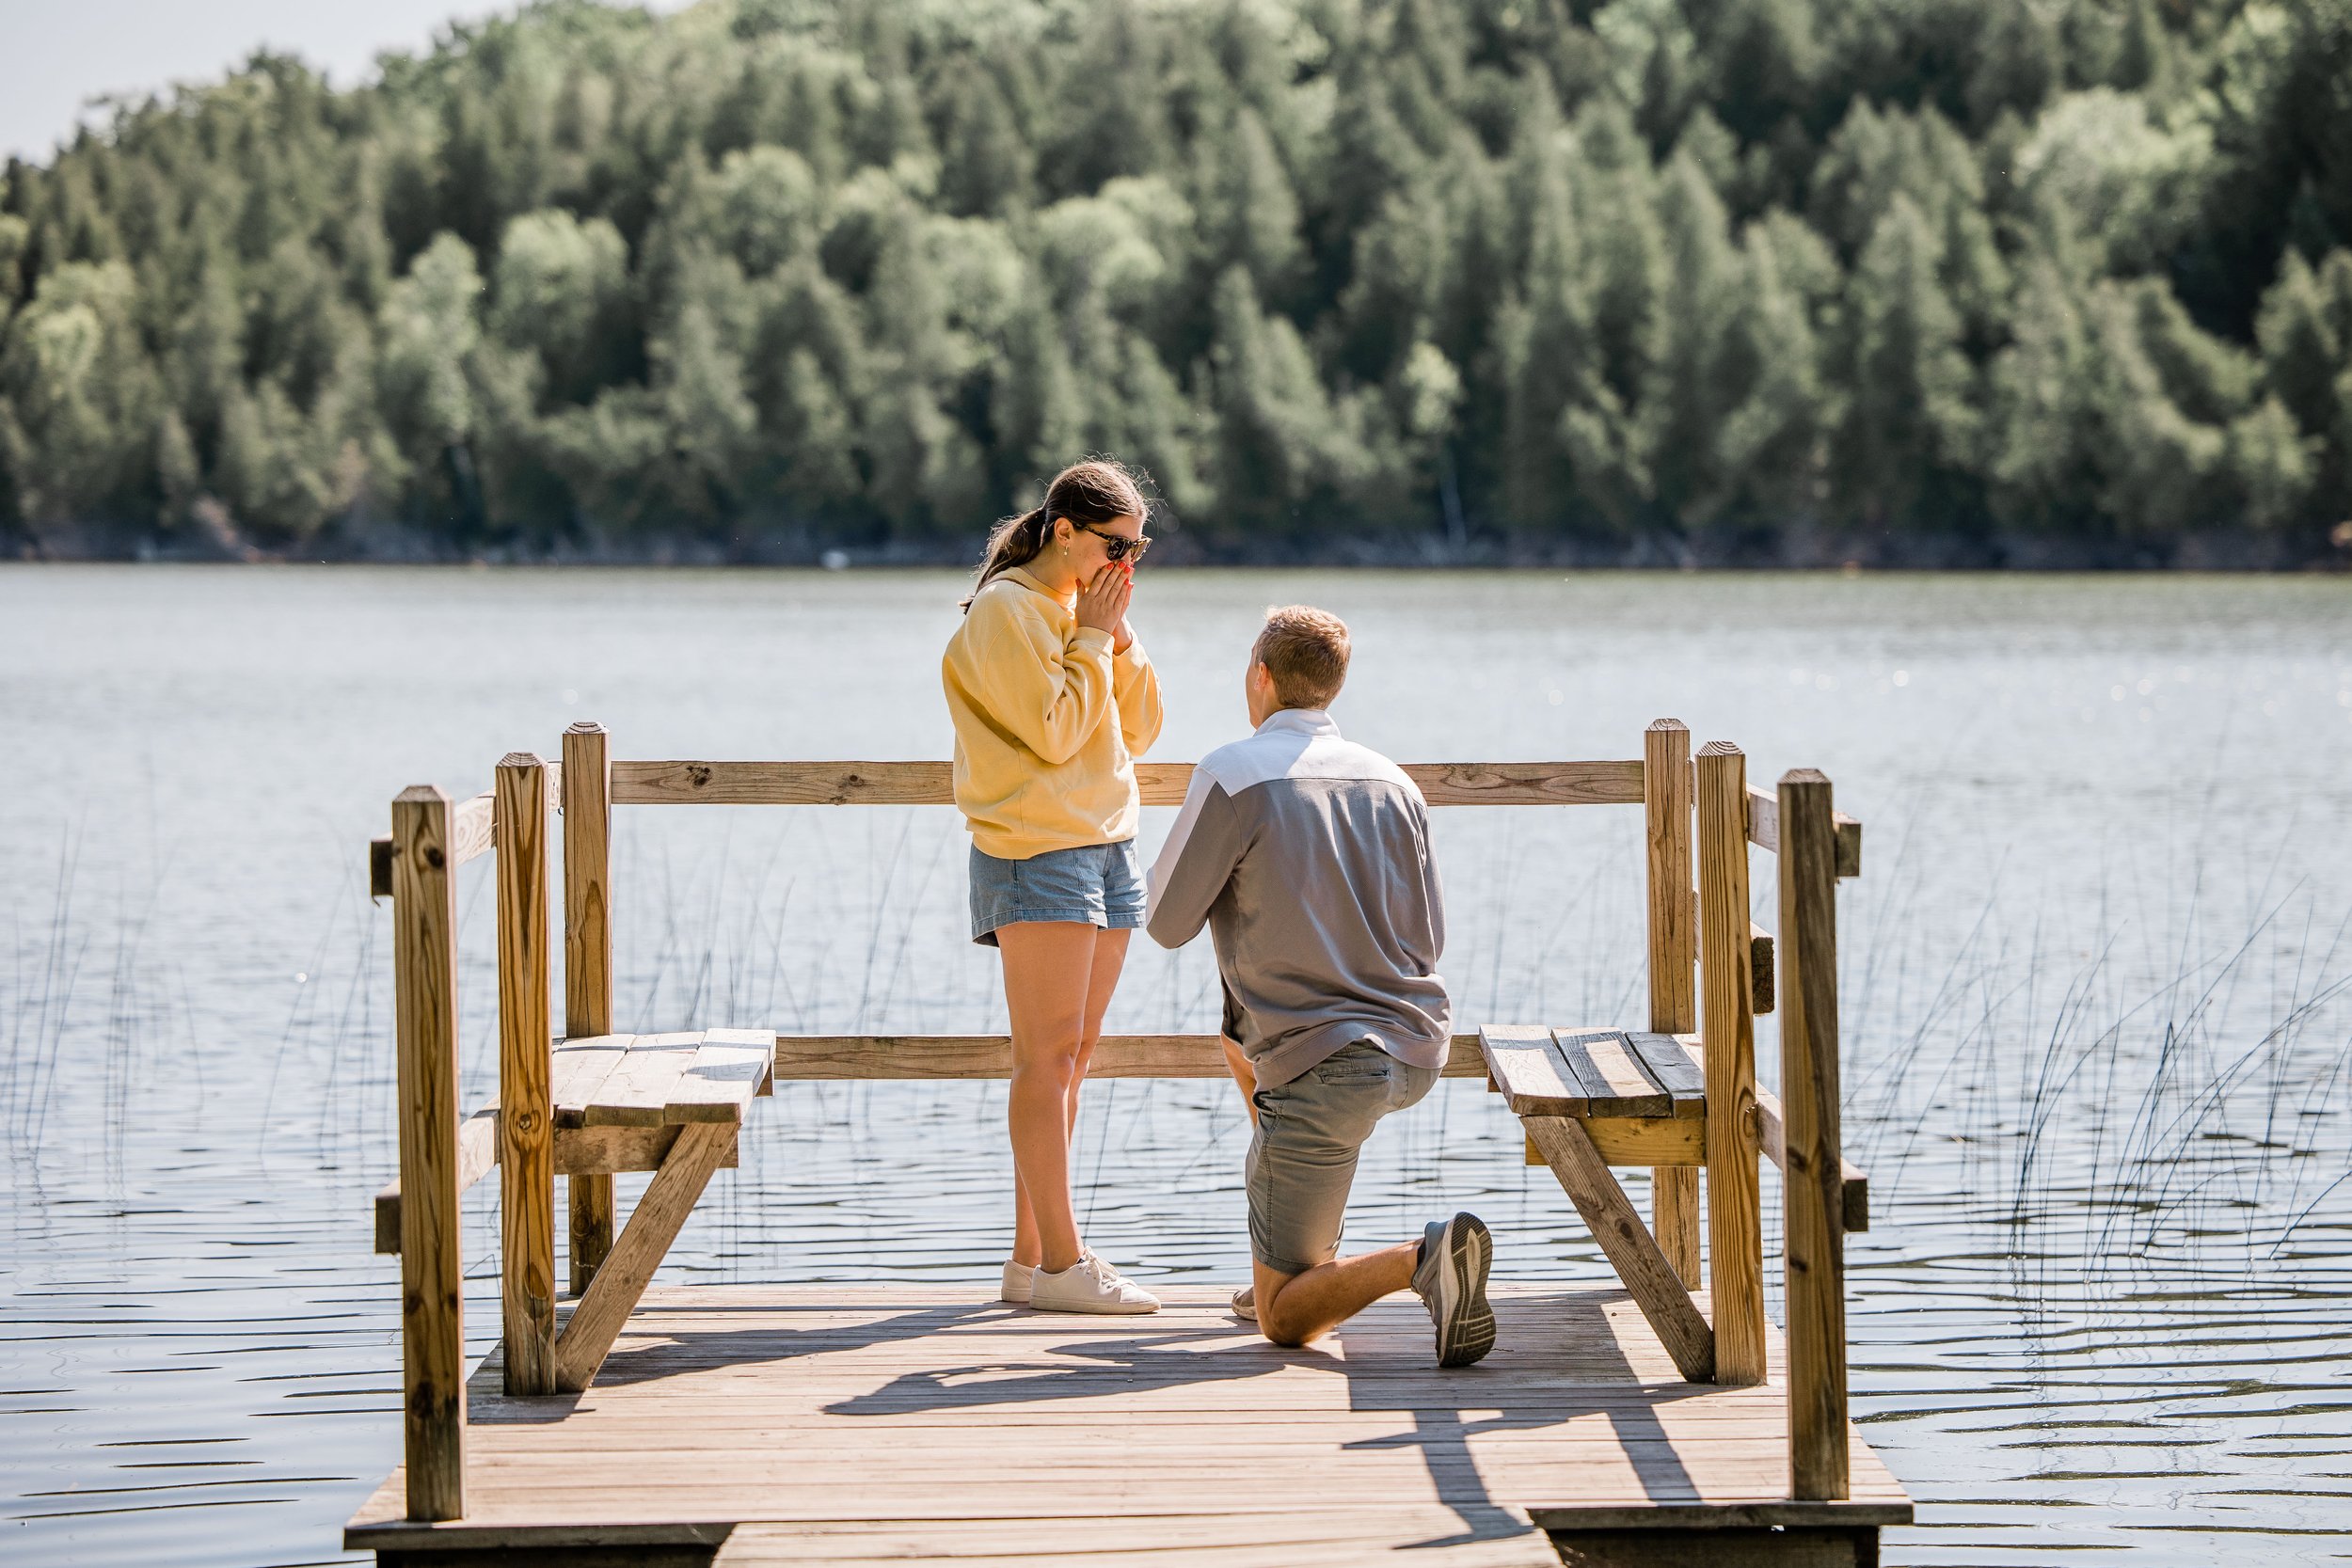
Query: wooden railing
{"type": "Point", "coordinates": [1711, 972]}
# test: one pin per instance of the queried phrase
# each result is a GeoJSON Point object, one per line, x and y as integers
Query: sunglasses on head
{"type": "Point", "coordinates": [1118, 546]}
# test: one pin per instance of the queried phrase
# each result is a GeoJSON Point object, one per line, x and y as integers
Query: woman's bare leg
{"type": "Point", "coordinates": [1049, 968]}
{"type": "Point", "coordinates": [1110, 956]}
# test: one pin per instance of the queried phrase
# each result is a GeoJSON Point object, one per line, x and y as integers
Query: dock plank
{"type": "Point", "coordinates": [636, 1091]}
{"type": "Point", "coordinates": [1612, 1074]}
{"type": "Point", "coordinates": [727, 1072]}
{"type": "Point", "coordinates": [1671, 1068]}
{"type": "Point", "coordinates": [849, 1423]}
{"type": "Point", "coordinates": [1269, 1540]}
{"type": "Point", "coordinates": [1529, 1071]}
{"type": "Point", "coordinates": [578, 1069]}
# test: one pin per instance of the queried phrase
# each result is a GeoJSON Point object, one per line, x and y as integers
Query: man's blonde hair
{"type": "Point", "coordinates": [1304, 650]}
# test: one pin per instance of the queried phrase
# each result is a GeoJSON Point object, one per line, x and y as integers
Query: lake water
{"type": "Point", "coordinates": [2097, 1032]}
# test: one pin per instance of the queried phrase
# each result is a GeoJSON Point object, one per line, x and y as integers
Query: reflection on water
{"type": "Point", "coordinates": [2096, 1029]}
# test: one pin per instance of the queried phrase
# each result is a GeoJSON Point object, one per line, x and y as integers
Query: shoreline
{"type": "Point", "coordinates": [2236, 553]}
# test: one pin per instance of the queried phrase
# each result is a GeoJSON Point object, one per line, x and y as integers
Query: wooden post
{"type": "Point", "coordinates": [1814, 1189]}
{"type": "Point", "coordinates": [588, 956]}
{"type": "Point", "coordinates": [1673, 953]}
{"type": "Point", "coordinates": [431, 1283]}
{"type": "Point", "coordinates": [526, 1118]}
{"type": "Point", "coordinates": [1735, 1220]}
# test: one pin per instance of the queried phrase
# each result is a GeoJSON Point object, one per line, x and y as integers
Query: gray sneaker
{"type": "Point", "coordinates": [1450, 1280]}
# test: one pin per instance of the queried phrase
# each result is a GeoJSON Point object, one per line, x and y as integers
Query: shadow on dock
{"type": "Point", "coordinates": [744, 1425]}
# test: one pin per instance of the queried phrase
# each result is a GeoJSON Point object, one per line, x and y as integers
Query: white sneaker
{"type": "Point", "coordinates": [1020, 1277]}
{"type": "Point", "coordinates": [1089, 1285]}
{"type": "Point", "coordinates": [1245, 1304]}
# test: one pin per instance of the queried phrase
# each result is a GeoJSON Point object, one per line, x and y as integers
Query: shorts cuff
{"type": "Point", "coordinates": [1290, 1266]}
{"type": "Point", "coordinates": [1081, 915]}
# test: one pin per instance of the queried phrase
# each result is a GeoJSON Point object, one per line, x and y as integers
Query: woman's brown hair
{"type": "Point", "coordinates": [1094, 491]}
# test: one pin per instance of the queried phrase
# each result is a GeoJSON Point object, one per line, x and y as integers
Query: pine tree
{"type": "Point", "coordinates": [1904, 454]}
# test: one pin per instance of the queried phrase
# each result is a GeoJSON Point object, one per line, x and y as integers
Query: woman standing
{"type": "Point", "coordinates": [1052, 698]}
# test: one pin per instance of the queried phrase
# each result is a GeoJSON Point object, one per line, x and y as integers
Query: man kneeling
{"type": "Point", "coordinates": [1309, 859]}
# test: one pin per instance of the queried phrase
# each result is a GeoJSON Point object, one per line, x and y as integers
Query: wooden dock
{"type": "Point", "coordinates": [1664, 1423]}
{"type": "Point", "coordinates": [808, 1424]}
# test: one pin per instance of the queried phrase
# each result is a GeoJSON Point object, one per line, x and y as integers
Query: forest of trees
{"type": "Point", "coordinates": [1908, 281]}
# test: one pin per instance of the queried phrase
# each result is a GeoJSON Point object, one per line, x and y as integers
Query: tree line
{"type": "Point", "coordinates": [1911, 280]}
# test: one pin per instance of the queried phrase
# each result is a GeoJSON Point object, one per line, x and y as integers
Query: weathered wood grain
{"type": "Point", "coordinates": [1613, 1078]}
{"type": "Point", "coordinates": [1158, 783]}
{"type": "Point", "coordinates": [604, 1150]}
{"type": "Point", "coordinates": [901, 1417]}
{"type": "Point", "coordinates": [432, 1274]}
{"type": "Point", "coordinates": [636, 1093]}
{"type": "Point", "coordinates": [1648, 1274]}
{"type": "Point", "coordinates": [826, 1058]}
{"type": "Point", "coordinates": [1289, 1538]}
{"type": "Point", "coordinates": [473, 829]}
{"type": "Point", "coordinates": [588, 956]}
{"type": "Point", "coordinates": [1853, 1181]}
{"type": "Point", "coordinates": [596, 1322]}
{"type": "Point", "coordinates": [477, 1156]}
{"type": "Point", "coordinates": [1814, 1243]}
{"type": "Point", "coordinates": [526, 1121]}
{"type": "Point", "coordinates": [1673, 957]}
{"type": "Point", "coordinates": [1671, 1069]}
{"type": "Point", "coordinates": [1735, 1215]}
{"type": "Point", "coordinates": [1764, 831]}
{"type": "Point", "coordinates": [727, 1071]}
{"type": "Point", "coordinates": [1668, 1141]}
{"type": "Point", "coordinates": [1529, 1071]}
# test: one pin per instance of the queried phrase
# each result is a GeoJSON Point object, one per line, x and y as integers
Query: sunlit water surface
{"type": "Point", "coordinates": [2096, 1030]}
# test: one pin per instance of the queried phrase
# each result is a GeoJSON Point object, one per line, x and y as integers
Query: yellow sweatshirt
{"type": "Point", "coordinates": [1048, 722]}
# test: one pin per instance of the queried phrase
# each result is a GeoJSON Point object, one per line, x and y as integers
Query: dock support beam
{"type": "Point", "coordinates": [1673, 954]}
{"type": "Point", "coordinates": [1632, 1250]}
{"type": "Point", "coordinates": [1815, 1195]}
{"type": "Point", "coordinates": [1735, 1221]}
{"type": "Point", "coordinates": [432, 1281]}
{"type": "Point", "coordinates": [526, 1118]}
{"type": "Point", "coordinates": [588, 956]}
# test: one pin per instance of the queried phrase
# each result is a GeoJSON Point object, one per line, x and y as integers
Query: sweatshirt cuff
{"type": "Point", "coordinates": [1093, 637]}
{"type": "Point", "coordinates": [1134, 658]}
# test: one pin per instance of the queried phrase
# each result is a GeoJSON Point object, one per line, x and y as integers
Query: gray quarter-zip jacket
{"type": "Point", "coordinates": [1308, 857]}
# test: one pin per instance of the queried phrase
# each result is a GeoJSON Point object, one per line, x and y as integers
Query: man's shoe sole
{"type": "Point", "coordinates": [1466, 1324]}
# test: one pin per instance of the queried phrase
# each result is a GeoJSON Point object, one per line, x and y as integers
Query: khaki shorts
{"type": "Point", "coordinates": [1302, 1158]}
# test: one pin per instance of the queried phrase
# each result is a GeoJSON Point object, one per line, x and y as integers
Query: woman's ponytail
{"type": "Point", "coordinates": [1094, 491]}
{"type": "Point", "coordinates": [1013, 542]}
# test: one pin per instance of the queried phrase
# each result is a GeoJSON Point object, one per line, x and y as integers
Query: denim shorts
{"type": "Point", "coordinates": [1097, 884]}
{"type": "Point", "coordinates": [1302, 1158]}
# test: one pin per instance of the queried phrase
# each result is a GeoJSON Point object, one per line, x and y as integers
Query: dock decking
{"type": "Point", "coordinates": [810, 1424]}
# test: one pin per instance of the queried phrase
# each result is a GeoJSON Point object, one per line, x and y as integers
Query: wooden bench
{"type": "Point", "coordinates": [1589, 1097]}
{"type": "Point", "coordinates": [666, 1104]}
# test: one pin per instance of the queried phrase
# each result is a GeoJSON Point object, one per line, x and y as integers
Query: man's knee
{"type": "Point", "coordinates": [1280, 1318]}
{"type": "Point", "coordinates": [1280, 1328]}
